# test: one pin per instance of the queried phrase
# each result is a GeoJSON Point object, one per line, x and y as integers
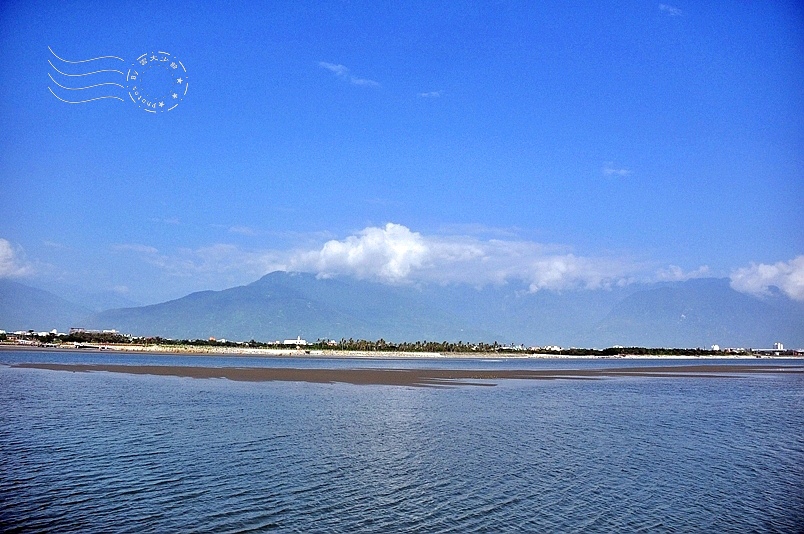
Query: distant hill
{"type": "Point", "coordinates": [698, 313]}
{"type": "Point", "coordinates": [283, 305]}
{"type": "Point", "coordinates": [95, 300]}
{"type": "Point", "coordinates": [23, 308]}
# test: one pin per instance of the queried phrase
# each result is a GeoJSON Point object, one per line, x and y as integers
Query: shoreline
{"type": "Point", "coordinates": [414, 377]}
{"type": "Point", "coordinates": [190, 351]}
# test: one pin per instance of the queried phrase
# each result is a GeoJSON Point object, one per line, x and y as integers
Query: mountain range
{"type": "Point", "coordinates": [692, 313]}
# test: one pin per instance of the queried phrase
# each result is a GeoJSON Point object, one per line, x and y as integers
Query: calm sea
{"type": "Point", "coordinates": [103, 452]}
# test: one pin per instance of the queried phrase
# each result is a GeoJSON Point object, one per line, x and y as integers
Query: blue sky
{"type": "Point", "coordinates": [566, 146]}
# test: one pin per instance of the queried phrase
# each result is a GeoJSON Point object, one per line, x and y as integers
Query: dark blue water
{"type": "Point", "coordinates": [103, 452]}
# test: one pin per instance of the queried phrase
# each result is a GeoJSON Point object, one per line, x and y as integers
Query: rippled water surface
{"type": "Point", "coordinates": [103, 452]}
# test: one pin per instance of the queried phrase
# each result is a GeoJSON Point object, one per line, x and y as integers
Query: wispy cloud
{"type": "Point", "coordinates": [363, 81]}
{"type": "Point", "coordinates": [338, 70]}
{"type": "Point", "coordinates": [609, 169]}
{"type": "Point", "coordinates": [134, 247]}
{"type": "Point", "coordinates": [670, 10]}
{"type": "Point", "coordinates": [758, 279]}
{"type": "Point", "coordinates": [242, 230]}
{"type": "Point", "coordinates": [172, 221]}
{"type": "Point", "coordinates": [431, 94]}
{"type": "Point", "coordinates": [54, 245]}
{"type": "Point", "coordinates": [475, 229]}
{"type": "Point", "coordinates": [210, 262]}
{"type": "Point", "coordinates": [12, 262]}
{"type": "Point", "coordinates": [343, 73]}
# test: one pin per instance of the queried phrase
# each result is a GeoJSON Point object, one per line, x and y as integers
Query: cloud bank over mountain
{"type": "Point", "coordinates": [394, 254]}
{"type": "Point", "coordinates": [758, 279]}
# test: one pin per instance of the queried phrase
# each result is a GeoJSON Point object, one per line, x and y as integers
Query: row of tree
{"type": "Point", "coordinates": [460, 347]}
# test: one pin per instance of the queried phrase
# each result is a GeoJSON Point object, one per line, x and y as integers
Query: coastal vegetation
{"type": "Point", "coordinates": [89, 339]}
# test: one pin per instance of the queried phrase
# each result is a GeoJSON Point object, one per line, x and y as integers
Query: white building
{"type": "Point", "coordinates": [778, 346]}
{"type": "Point", "coordinates": [297, 341]}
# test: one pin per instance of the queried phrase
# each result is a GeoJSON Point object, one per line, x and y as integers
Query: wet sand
{"type": "Point", "coordinates": [418, 377]}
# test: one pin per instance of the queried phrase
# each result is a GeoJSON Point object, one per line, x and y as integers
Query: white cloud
{"type": "Point", "coordinates": [343, 73]}
{"type": "Point", "coordinates": [757, 279]}
{"type": "Point", "coordinates": [670, 10]}
{"type": "Point", "coordinates": [395, 254]}
{"type": "Point", "coordinates": [609, 169]}
{"type": "Point", "coordinates": [674, 273]}
{"type": "Point", "coordinates": [572, 272]}
{"type": "Point", "coordinates": [431, 94]}
{"type": "Point", "coordinates": [388, 254]}
{"type": "Point", "coordinates": [11, 263]}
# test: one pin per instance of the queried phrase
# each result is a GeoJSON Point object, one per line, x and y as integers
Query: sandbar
{"type": "Point", "coordinates": [416, 377]}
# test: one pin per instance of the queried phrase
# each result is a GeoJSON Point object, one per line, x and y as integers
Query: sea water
{"type": "Point", "coordinates": [105, 452]}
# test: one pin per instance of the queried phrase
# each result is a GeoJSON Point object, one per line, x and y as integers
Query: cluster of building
{"type": "Point", "coordinates": [298, 342]}
{"type": "Point", "coordinates": [778, 349]}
